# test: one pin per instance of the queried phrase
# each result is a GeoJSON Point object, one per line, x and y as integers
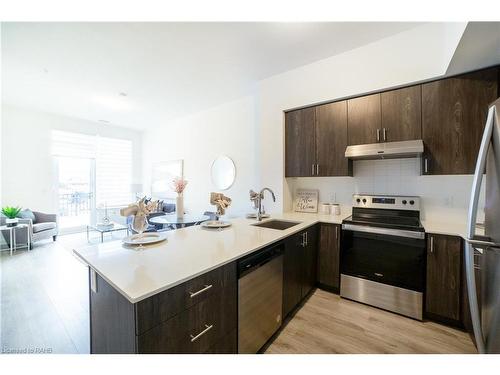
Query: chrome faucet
{"type": "Point", "coordinates": [257, 198]}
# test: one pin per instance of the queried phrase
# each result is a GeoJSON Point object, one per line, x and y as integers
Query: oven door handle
{"type": "Point", "coordinates": [384, 231]}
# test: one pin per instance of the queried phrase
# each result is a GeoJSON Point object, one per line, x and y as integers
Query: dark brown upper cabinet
{"type": "Point", "coordinates": [401, 114]}
{"type": "Point", "coordinates": [453, 117]}
{"type": "Point", "coordinates": [444, 285]}
{"type": "Point", "coordinates": [331, 140]}
{"type": "Point", "coordinates": [315, 141]}
{"type": "Point", "coordinates": [300, 147]}
{"type": "Point", "coordinates": [364, 120]}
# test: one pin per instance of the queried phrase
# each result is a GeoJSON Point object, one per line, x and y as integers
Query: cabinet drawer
{"type": "Point", "coordinates": [226, 345]}
{"type": "Point", "coordinates": [195, 330]}
{"type": "Point", "coordinates": [163, 306]}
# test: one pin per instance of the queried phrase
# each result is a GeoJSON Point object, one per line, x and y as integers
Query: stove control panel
{"type": "Point", "coordinates": [394, 202]}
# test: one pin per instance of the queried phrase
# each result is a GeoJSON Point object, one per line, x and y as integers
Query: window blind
{"type": "Point", "coordinates": [113, 171]}
{"type": "Point", "coordinates": [113, 163]}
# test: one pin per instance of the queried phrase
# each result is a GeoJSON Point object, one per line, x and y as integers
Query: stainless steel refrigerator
{"type": "Point", "coordinates": [485, 311]}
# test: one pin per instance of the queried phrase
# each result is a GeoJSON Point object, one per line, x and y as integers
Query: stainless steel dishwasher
{"type": "Point", "coordinates": [260, 298]}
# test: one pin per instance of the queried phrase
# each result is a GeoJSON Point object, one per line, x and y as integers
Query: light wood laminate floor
{"type": "Point", "coordinates": [330, 324]}
{"type": "Point", "coordinates": [44, 297]}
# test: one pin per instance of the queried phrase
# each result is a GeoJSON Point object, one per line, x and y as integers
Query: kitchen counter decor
{"type": "Point", "coordinates": [179, 184]}
{"type": "Point", "coordinates": [221, 202]}
{"type": "Point", "coordinates": [140, 211]}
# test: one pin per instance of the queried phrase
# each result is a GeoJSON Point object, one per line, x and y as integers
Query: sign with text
{"type": "Point", "coordinates": [306, 200]}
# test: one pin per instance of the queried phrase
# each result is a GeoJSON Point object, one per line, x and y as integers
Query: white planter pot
{"type": "Point", "coordinates": [11, 222]}
{"type": "Point", "coordinates": [179, 206]}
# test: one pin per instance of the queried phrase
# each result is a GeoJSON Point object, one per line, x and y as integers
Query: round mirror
{"type": "Point", "coordinates": [223, 172]}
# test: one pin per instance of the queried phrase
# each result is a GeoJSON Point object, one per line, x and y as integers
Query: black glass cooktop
{"type": "Point", "coordinates": [397, 219]}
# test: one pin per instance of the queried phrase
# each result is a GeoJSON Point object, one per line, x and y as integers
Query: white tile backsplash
{"type": "Point", "coordinates": [440, 195]}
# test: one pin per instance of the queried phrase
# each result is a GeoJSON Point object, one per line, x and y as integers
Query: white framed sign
{"type": "Point", "coordinates": [306, 200]}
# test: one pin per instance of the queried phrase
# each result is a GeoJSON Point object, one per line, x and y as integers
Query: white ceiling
{"type": "Point", "coordinates": [167, 70]}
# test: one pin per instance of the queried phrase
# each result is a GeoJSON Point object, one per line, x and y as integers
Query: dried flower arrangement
{"type": "Point", "coordinates": [179, 184]}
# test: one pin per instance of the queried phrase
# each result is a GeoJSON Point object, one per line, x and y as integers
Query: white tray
{"type": "Point", "coordinates": [145, 238]}
{"type": "Point", "coordinates": [215, 224]}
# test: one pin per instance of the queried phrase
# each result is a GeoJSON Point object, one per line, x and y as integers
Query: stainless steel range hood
{"type": "Point", "coordinates": [386, 150]}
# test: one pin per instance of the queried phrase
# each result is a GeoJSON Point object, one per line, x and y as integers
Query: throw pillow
{"type": "Point", "coordinates": [26, 214]}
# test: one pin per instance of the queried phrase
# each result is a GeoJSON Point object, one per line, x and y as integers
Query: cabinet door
{"type": "Point", "coordinates": [329, 256]}
{"type": "Point", "coordinates": [363, 119]}
{"type": "Point", "coordinates": [310, 260]}
{"type": "Point", "coordinates": [401, 114]}
{"type": "Point", "coordinates": [453, 116]}
{"type": "Point", "coordinates": [331, 140]}
{"type": "Point", "coordinates": [292, 273]}
{"type": "Point", "coordinates": [444, 265]}
{"type": "Point", "coordinates": [300, 149]}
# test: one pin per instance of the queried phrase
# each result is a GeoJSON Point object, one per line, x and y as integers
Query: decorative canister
{"type": "Point", "coordinates": [324, 208]}
{"type": "Point", "coordinates": [335, 209]}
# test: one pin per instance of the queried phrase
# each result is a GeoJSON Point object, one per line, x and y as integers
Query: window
{"type": "Point", "coordinates": [113, 171]}
{"type": "Point", "coordinates": [113, 163]}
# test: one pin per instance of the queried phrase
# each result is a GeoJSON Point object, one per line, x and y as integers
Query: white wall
{"type": "Point", "coordinates": [414, 55]}
{"type": "Point", "coordinates": [27, 177]}
{"type": "Point", "coordinates": [198, 139]}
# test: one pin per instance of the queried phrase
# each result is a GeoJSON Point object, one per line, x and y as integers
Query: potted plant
{"type": "Point", "coordinates": [11, 213]}
{"type": "Point", "coordinates": [179, 184]}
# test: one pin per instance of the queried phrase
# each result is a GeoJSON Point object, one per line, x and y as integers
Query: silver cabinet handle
{"type": "Point", "coordinates": [317, 169]}
{"type": "Point", "coordinates": [307, 239]}
{"type": "Point", "coordinates": [385, 135]}
{"type": "Point", "coordinates": [336, 232]}
{"type": "Point", "coordinates": [207, 328]}
{"type": "Point", "coordinates": [304, 239]}
{"type": "Point", "coordinates": [426, 166]}
{"type": "Point", "coordinates": [378, 135]}
{"type": "Point", "coordinates": [432, 244]}
{"type": "Point", "coordinates": [194, 294]}
{"type": "Point", "coordinates": [312, 169]}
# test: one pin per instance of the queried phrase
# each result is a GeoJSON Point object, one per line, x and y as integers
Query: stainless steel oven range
{"type": "Point", "coordinates": [383, 254]}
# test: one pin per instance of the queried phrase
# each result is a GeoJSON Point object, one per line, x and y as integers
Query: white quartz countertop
{"type": "Point", "coordinates": [449, 226]}
{"type": "Point", "coordinates": [187, 253]}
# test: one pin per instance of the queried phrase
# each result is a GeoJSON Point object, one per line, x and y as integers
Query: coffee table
{"type": "Point", "coordinates": [116, 227]}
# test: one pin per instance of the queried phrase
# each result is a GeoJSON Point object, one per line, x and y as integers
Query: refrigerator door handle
{"type": "Point", "coordinates": [482, 244]}
{"type": "Point", "coordinates": [471, 229]}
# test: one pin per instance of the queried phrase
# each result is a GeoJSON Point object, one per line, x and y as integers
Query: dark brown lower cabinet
{"type": "Point", "coordinates": [329, 256]}
{"type": "Point", "coordinates": [310, 260]}
{"type": "Point", "coordinates": [444, 289]}
{"type": "Point", "coordinates": [299, 268]}
{"type": "Point", "coordinates": [198, 316]}
{"type": "Point", "coordinates": [227, 345]}
{"type": "Point", "coordinates": [292, 272]}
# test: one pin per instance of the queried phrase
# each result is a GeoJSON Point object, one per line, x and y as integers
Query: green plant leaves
{"type": "Point", "coordinates": [11, 212]}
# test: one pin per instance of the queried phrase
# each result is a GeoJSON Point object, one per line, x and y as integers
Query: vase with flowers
{"type": "Point", "coordinates": [179, 184]}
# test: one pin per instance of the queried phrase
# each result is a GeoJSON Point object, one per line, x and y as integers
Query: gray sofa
{"type": "Point", "coordinates": [41, 226]}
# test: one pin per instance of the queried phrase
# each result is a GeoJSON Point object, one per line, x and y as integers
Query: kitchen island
{"type": "Point", "coordinates": [141, 297]}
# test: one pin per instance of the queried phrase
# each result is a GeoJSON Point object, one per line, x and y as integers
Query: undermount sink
{"type": "Point", "coordinates": [277, 224]}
